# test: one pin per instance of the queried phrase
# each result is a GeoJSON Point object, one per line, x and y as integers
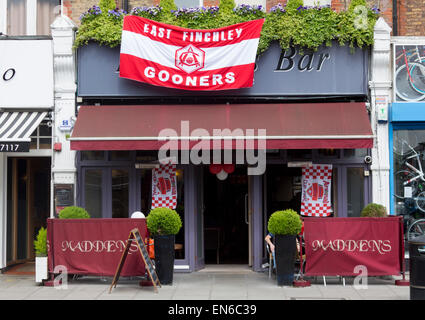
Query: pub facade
{"type": "Point", "coordinates": [305, 108]}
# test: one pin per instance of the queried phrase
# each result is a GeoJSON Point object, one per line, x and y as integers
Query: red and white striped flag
{"type": "Point", "coordinates": [174, 57]}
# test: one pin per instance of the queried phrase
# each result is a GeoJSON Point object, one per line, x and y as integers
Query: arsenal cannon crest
{"type": "Point", "coordinates": [190, 59]}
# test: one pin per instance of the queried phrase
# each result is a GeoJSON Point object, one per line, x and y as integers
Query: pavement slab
{"type": "Point", "coordinates": [202, 286]}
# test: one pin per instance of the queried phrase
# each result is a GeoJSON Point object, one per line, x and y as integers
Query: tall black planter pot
{"type": "Point", "coordinates": [285, 251]}
{"type": "Point", "coordinates": [164, 258]}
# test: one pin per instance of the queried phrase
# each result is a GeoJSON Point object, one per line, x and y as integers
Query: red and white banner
{"type": "Point", "coordinates": [350, 246]}
{"type": "Point", "coordinates": [164, 187]}
{"type": "Point", "coordinates": [94, 246]}
{"type": "Point", "coordinates": [316, 190]}
{"type": "Point", "coordinates": [175, 57]}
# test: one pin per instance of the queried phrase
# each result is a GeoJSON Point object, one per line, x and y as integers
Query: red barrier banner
{"type": "Point", "coordinates": [339, 246]}
{"type": "Point", "coordinates": [94, 246]}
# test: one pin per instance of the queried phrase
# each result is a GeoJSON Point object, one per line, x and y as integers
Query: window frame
{"type": "Point", "coordinates": [200, 4]}
{"type": "Point", "coordinates": [31, 17]}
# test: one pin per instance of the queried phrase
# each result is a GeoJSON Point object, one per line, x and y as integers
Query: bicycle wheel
{"type": "Point", "coordinates": [403, 87]}
{"type": "Point", "coordinates": [420, 201]}
{"type": "Point", "coordinates": [416, 229]}
{"type": "Point", "coordinates": [417, 77]}
{"type": "Point", "coordinates": [399, 187]}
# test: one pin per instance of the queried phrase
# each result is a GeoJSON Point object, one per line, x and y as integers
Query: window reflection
{"type": "Point", "coordinates": [92, 155]}
{"type": "Point", "coordinates": [355, 191]}
{"type": "Point", "coordinates": [146, 201]}
{"type": "Point", "coordinates": [120, 181]}
{"type": "Point", "coordinates": [408, 180]}
{"type": "Point", "coordinates": [93, 192]}
{"type": "Point", "coordinates": [180, 250]}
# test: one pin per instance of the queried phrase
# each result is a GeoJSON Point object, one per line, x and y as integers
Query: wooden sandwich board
{"type": "Point", "coordinates": [135, 236]}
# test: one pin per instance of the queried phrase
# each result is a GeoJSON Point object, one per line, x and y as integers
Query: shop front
{"type": "Point", "coordinates": [407, 134]}
{"type": "Point", "coordinates": [26, 99]}
{"type": "Point", "coordinates": [239, 154]}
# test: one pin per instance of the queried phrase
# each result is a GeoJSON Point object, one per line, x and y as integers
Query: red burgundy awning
{"type": "Point", "coordinates": [279, 126]}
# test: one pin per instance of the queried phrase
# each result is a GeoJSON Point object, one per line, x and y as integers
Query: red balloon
{"type": "Point", "coordinates": [215, 168]}
{"type": "Point", "coordinates": [229, 168]}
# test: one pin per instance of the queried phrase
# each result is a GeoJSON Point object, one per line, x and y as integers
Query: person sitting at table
{"type": "Point", "coordinates": [269, 241]}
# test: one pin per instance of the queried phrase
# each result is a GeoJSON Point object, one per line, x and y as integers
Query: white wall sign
{"type": "Point", "coordinates": [26, 74]}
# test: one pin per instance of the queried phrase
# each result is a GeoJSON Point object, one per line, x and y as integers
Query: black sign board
{"type": "Point", "coordinates": [14, 146]}
{"type": "Point", "coordinates": [135, 236]}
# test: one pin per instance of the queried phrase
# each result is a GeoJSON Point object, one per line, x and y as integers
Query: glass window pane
{"type": "Point", "coordinates": [187, 3]}
{"type": "Point", "coordinates": [299, 154]}
{"type": "Point", "coordinates": [408, 161]}
{"type": "Point", "coordinates": [45, 143]}
{"type": "Point", "coordinates": [92, 155]}
{"type": "Point", "coordinates": [146, 191]}
{"type": "Point", "coordinates": [334, 194]}
{"type": "Point", "coordinates": [16, 17]}
{"type": "Point", "coordinates": [47, 10]}
{"type": "Point", "coordinates": [328, 153]}
{"type": "Point", "coordinates": [120, 190]}
{"type": "Point", "coordinates": [33, 143]}
{"type": "Point", "coordinates": [119, 155]}
{"type": "Point", "coordinates": [180, 239]}
{"type": "Point", "coordinates": [93, 192]}
{"type": "Point", "coordinates": [45, 130]}
{"type": "Point", "coordinates": [355, 191]}
{"type": "Point", "coordinates": [146, 202]}
{"type": "Point", "coordinates": [356, 153]}
{"type": "Point", "coordinates": [146, 156]}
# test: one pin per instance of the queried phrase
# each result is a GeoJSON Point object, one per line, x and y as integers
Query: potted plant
{"type": "Point", "coordinates": [163, 224]}
{"type": "Point", "coordinates": [73, 212]}
{"type": "Point", "coordinates": [40, 248]}
{"type": "Point", "coordinates": [374, 210]}
{"type": "Point", "coordinates": [285, 225]}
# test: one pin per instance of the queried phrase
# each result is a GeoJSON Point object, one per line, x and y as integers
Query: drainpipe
{"type": "Point", "coordinates": [395, 18]}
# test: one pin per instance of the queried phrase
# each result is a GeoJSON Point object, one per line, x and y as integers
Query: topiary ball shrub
{"type": "Point", "coordinates": [286, 222]}
{"type": "Point", "coordinates": [73, 212]}
{"type": "Point", "coordinates": [40, 243]}
{"type": "Point", "coordinates": [163, 221]}
{"type": "Point", "coordinates": [374, 210]}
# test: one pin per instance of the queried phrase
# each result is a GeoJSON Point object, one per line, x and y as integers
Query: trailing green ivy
{"type": "Point", "coordinates": [291, 25]}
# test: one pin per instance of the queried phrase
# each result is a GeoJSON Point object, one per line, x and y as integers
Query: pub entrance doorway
{"type": "Point", "coordinates": [227, 218]}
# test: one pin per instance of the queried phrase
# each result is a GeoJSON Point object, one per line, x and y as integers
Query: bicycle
{"type": "Point", "coordinates": [416, 229]}
{"type": "Point", "coordinates": [410, 181]}
{"type": "Point", "coordinates": [410, 74]}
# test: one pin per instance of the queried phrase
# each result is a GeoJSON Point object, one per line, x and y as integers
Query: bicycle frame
{"type": "Point", "coordinates": [419, 171]}
{"type": "Point", "coordinates": [410, 68]}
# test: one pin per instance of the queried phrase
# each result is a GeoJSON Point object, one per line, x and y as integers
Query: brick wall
{"type": "Point", "coordinates": [76, 7]}
{"type": "Point", "coordinates": [141, 3]}
{"type": "Point", "coordinates": [411, 17]}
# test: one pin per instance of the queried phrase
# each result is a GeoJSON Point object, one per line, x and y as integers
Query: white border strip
{"type": "Point", "coordinates": [181, 267]}
{"type": "Point", "coordinates": [340, 137]}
